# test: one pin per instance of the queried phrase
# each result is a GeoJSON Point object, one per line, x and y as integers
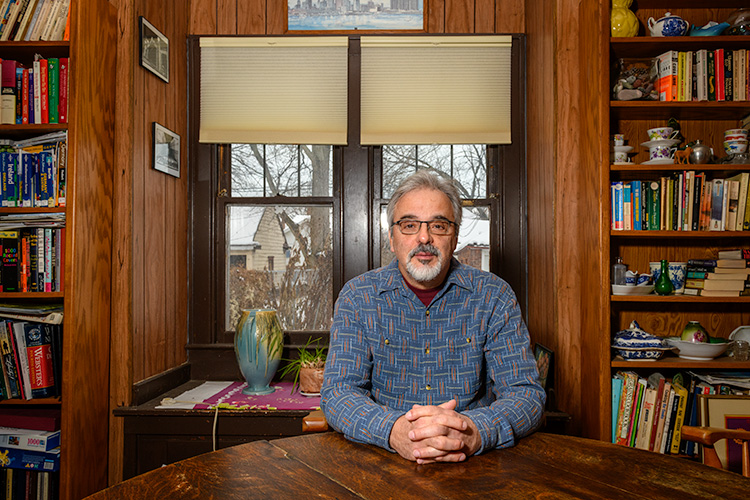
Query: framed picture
{"type": "Point", "coordinates": [399, 15]}
{"type": "Point", "coordinates": [726, 412]}
{"type": "Point", "coordinates": [543, 357]}
{"type": "Point", "coordinates": [154, 50]}
{"type": "Point", "coordinates": [166, 150]}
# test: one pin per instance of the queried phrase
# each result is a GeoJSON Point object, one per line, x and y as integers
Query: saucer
{"type": "Point", "coordinates": [660, 142]}
{"type": "Point", "coordinates": [662, 161]}
{"type": "Point", "coordinates": [624, 163]}
{"type": "Point", "coordinates": [623, 149]}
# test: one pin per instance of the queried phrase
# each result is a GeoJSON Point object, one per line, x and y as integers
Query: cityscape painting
{"type": "Point", "coordinates": [324, 15]}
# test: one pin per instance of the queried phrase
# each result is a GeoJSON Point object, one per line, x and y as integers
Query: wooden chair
{"type": "Point", "coordinates": [314, 421]}
{"type": "Point", "coordinates": [707, 436]}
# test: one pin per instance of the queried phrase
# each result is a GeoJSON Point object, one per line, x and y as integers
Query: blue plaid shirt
{"type": "Point", "coordinates": [388, 352]}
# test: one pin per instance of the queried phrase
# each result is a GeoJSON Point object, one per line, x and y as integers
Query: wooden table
{"type": "Point", "coordinates": [328, 466]}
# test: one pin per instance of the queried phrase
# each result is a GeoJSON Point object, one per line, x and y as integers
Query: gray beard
{"type": "Point", "coordinates": [421, 272]}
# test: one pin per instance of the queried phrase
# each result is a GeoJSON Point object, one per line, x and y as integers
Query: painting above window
{"type": "Point", "coordinates": [343, 15]}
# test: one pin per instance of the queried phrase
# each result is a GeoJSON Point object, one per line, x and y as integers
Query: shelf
{"type": "Point", "coordinates": [25, 51]}
{"type": "Point", "coordinates": [23, 131]}
{"type": "Point", "coordinates": [32, 210]}
{"type": "Point", "coordinates": [681, 298]}
{"type": "Point", "coordinates": [31, 295]}
{"type": "Point", "coordinates": [721, 363]}
{"type": "Point", "coordinates": [639, 167]}
{"type": "Point", "coordinates": [680, 110]}
{"type": "Point", "coordinates": [690, 4]}
{"type": "Point", "coordinates": [648, 46]}
{"type": "Point", "coordinates": [679, 234]}
{"type": "Point", "coordinates": [29, 402]}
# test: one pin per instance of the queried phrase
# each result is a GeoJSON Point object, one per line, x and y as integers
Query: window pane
{"type": "Point", "coordinates": [473, 247]}
{"type": "Point", "coordinates": [467, 163]}
{"type": "Point", "coordinates": [262, 170]}
{"type": "Point", "coordinates": [279, 257]}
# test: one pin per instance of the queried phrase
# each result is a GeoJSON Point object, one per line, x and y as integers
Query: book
{"type": "Point", "coordinates": [8, 92]}
{"type": "Point", "coordinates": [31, 459]}
{"type": "Point", "coordinates": [716, 284]}
{"type": "Point", "coordinates": [674, 399]}
{"type": "Point", "coordinates": [53, 77]}
{"type": "Point", "coordinates": [635, 416]}
{"type": "Point", "coordinates": [626, 407]}
{"type": "Point", "coordinates": [616, 395]}
{"type": "Point", "coordinates": [19, 341]}
{"type": "Point", "coordinates": [729, 75]}
{"type": "Point", "coordinates": [679, 418]}
{"type": "Point", "coordinates": [667, 64]}
{"type": "Point", "coordinates": [719, 263]}
{"type": "Point", "coordinates": [31, 418]}
{"type": "Point", "coordinates": [719, 65]}
{"type": "Point", "coordinates": [711, 69]}
{"type": "Point", "coordinates": [712, 293]}
{"type": "Point", "coordinates": [646, 418]}
{"type": "Point", "coordinates": [38, 338]}
{"type": "Point", "coordinates": [63, 91]}
{"type": "Point", "coordinates": [701, 75]}
{"type": "Point", "coordinates": [9, 364]}
{"type": "Point", "coordinates": [654, 197]}
{"type": "Point", "coordinates": [656, 444]}
{"type": "Point", "coordinates": [9, 250]}
{"type": "Point", "coordinates": [736, 274]}
{"type": "Point", "coordinates": [27, 439]}
{"type": "Point", "coordinates": [733, 186]}
{"type": "Point", "coordinates": [737, 253]}
{"type": "Point", "coordinates": [717, 203]}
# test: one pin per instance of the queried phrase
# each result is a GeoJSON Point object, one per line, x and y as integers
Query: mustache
{"type": "Point", "coordinates": [425, 248]}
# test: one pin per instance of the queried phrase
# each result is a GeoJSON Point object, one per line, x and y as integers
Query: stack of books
{"type": "Point", "coordinates": [29, 453]}
{"type": "Point", "coordinates": [34, 171]}
{"type": "Point", "coordinates": [726, 276]}
{"type": "Point", "coordinates": [704, 75]}
{"type": "Point", "coordinates": [33, 20]}
{"type": "Point", "coordinates": [37, 94]}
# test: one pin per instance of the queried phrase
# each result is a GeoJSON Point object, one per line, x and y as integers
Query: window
{"type": "Point", "coordinates": [285, 226]}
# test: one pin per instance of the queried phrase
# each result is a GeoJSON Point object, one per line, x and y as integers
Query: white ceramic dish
{"type": "Point", "coordinates": [698, 351]}
{"type": "Point", "coordinates": [623, 163]}
{"type": "Point", "coordinates": [623, 149]}
{"type": "Point", "coordinates": [632, 290]}
{"type": "Point", "coordinates": [740, 333]}
{"type": "Point", "coordinates": [660, 142]}
{"type": "Point", "coordinates": [663, 161]}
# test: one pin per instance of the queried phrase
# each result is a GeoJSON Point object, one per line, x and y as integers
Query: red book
{"type": "Point", "coordinates": [719, 64]}
{"type": "Point", "coordinates": [44, 90]}
{"type": "Point", "coordinates": [25, 97]}
{"type": "Point", "coordinates": [27, 418]}
{"type": "Point", "coordinates": [63, 90]}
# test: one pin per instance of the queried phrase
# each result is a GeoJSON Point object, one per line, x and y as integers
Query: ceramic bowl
{"type": "Point", "coordinates": [740, 333]}
{"type": "Point", "coordinates": [699, 351]}
{"type": "Point", "coordinates": [632, 290]}
{"type": "Point", "coordinates": [641, 353]}
{"type": "Point", "coordinates": [734, 147]}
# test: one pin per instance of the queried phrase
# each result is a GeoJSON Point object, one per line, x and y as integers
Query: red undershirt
{"type": "Point", "coordinates": [425, 296]}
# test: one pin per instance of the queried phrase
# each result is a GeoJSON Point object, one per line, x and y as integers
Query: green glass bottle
{"type": "Point", "coordinates": [663, 285]}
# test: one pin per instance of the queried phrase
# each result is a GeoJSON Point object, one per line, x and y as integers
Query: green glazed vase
{"type": "Point", "coordinates": [258, 341]}
{"type": "Point", "coordinates": [663, 285]}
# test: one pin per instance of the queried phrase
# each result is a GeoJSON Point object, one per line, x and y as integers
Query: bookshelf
{"type": "Point", "coordinates": [665, 316]}
{"type": "Point", "coordinates": [84, 403]}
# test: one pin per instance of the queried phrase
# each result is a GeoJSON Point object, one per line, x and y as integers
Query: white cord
{"type": "Point", "coordinates": [216, 420]}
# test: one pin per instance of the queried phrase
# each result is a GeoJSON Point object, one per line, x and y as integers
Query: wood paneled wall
{"type": "Point", "coordinates": [149, 272]}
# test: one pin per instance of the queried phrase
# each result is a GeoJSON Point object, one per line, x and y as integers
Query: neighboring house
{"type": "Point", "coordinates": [256, 240]}
{"type": "Point", "coordinates": [473, 248]}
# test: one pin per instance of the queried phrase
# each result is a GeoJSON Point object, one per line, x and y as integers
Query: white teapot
{"type": "Point", "coordinates": [668, 25]}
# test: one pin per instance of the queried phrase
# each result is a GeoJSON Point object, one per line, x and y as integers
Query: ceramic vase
{"type": "Point", "coordinates": [310, 380]}
{"type": "Point", "coordinates": [663, 284]}
{"type": "Point", "coordinates": [258, 341]}
{"type": "Point", "coordinates": [622, 20]}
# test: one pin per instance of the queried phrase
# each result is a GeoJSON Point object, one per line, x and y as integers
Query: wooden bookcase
{"type": "Point", "coordinates": [665, 316]}
{"type": "Point", "coordinates": [87, 268]}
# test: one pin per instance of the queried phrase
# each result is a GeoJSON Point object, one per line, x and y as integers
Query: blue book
{"type": "Point", "coordinates": [637, 203]}
{"type": "Point", "coordinates": [28, 171]}
{"type": "Point", "coordinates": [616, 393]}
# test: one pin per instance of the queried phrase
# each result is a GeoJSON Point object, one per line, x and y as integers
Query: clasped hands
{"type": "Point", "coordinates": [428, 434]}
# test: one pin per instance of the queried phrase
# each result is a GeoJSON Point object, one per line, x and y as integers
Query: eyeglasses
{"type": "Point", "coordinates": [438, 227]}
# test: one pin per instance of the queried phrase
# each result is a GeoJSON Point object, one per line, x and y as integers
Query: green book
{"type": "Point", "coordinates": [654, 205]}
{"type": "Point", "coordinates": [53, 77]}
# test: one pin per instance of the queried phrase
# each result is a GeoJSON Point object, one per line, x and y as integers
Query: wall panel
{"type": "Point", "coordinates": [251, 17]}
{"type": "Point", "coordinates": [459, 16]}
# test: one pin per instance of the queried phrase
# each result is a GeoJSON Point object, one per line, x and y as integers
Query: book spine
{"type": "Point", "coordinates": [39, 354]}
{"type": "Point", "coordinates": [44, 90]}
{"type": "Point", "coordinates": [728, 75]}
{"type": "Point", "coordinates": [711, 68]}
{"type": "Point", "coordinates": [719, 65]}
{"type": "Point", "coordinates": [63, 101]}
{"type": "Point", "coordinates": [47, 260]}
{"type": "Point", "coordinates": [9, 364]}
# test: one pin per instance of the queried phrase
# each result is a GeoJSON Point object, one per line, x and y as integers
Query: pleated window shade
{"type": "Point", "coordinates": [436, 89]}
{"type": "Point", "coordinates": [273, 90]}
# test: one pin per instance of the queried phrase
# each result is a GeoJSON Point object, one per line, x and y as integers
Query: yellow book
{"type": "Point", "coordinates": [679, 419]}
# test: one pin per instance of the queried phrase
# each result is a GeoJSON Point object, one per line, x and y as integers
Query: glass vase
{"type": "Point", "coordinates": [663, 285]}
{"type": "Point", "coordinates": [258, 341]}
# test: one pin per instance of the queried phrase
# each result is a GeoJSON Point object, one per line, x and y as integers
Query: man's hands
{"type": "Point", "coordinates": [428, 434]}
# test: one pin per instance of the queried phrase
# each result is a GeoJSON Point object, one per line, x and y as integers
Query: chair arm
{"type": "Point", "coordinates": [315, 421]}
{"type": "Point", "coordinates": [709, 435]}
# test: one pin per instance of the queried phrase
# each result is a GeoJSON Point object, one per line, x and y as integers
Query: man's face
{"type": "Point", "coordinates": [423, 258]}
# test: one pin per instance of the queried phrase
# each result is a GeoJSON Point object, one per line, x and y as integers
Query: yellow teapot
{"type": "Point", "coordinates": [622, 19]}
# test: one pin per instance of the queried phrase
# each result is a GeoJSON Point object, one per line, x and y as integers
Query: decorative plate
{"type": "Point", "coordinates": [623, 149]}
{"type": "Point", "coordinates": [662, 161]}
{"type": "Point", "coordinates": [660, 142]}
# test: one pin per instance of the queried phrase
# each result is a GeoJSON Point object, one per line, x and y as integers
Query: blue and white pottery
{"type": "Point", "coordinates": [636, 344]}
{"type": "Point", "coordinates": [710, 29]}
{"type": "Point", "coordinates": [677, 273]}
{"type": "Point", "coordinates": [668, 25]}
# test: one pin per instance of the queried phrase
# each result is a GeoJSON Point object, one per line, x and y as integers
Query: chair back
{"type": "Point", "coordinates": [707, 436]}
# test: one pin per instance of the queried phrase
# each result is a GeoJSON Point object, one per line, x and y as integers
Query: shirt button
{"type": "Point", "coordinates": [427, 351]}
{"type": "Point", "coordinates": [427, 312]}
{"type": "Point", "coordinates": [468, 341]}
{"type": "Point", "coordinates": [387, 341]}
{"type": "Point", "coordinates": [428, 387]}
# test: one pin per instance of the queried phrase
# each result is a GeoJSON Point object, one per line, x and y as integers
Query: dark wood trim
{"type": "Point", "coordinates": [152, 387]}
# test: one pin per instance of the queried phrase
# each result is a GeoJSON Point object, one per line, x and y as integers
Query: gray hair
{"type": "Point", "coordinates": [424, 179]}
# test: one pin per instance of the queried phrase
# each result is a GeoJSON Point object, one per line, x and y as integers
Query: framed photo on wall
{"type": "Point", "coordinates": [401, 15]}
{"type": "Point", "coordinates": [166, 150]}
{"type": "Point", "coordinates": [726, 412]}
{"type": "Point", "coordinates": [154, 50]}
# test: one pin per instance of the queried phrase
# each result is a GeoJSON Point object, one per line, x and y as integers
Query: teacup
{"type": "Point", "coordinates": [619, 139]}
{"type": "Point", "coordinates": [631, 277]}
{"type": "Point", "coordinates": [643, 279]}
{"type": "Point", "coordinates": [661, 152]}
{"type": "Point", "coordinates": [659, 133]}
{"type": "Point", "coordinates": [621, 157]}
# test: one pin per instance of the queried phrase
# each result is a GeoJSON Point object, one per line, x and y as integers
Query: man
{"type": "Point", "coordinates": [428, 357]}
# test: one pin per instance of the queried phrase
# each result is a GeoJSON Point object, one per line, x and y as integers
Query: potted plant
{"type": "Point", "coordinates": [307, 368]}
